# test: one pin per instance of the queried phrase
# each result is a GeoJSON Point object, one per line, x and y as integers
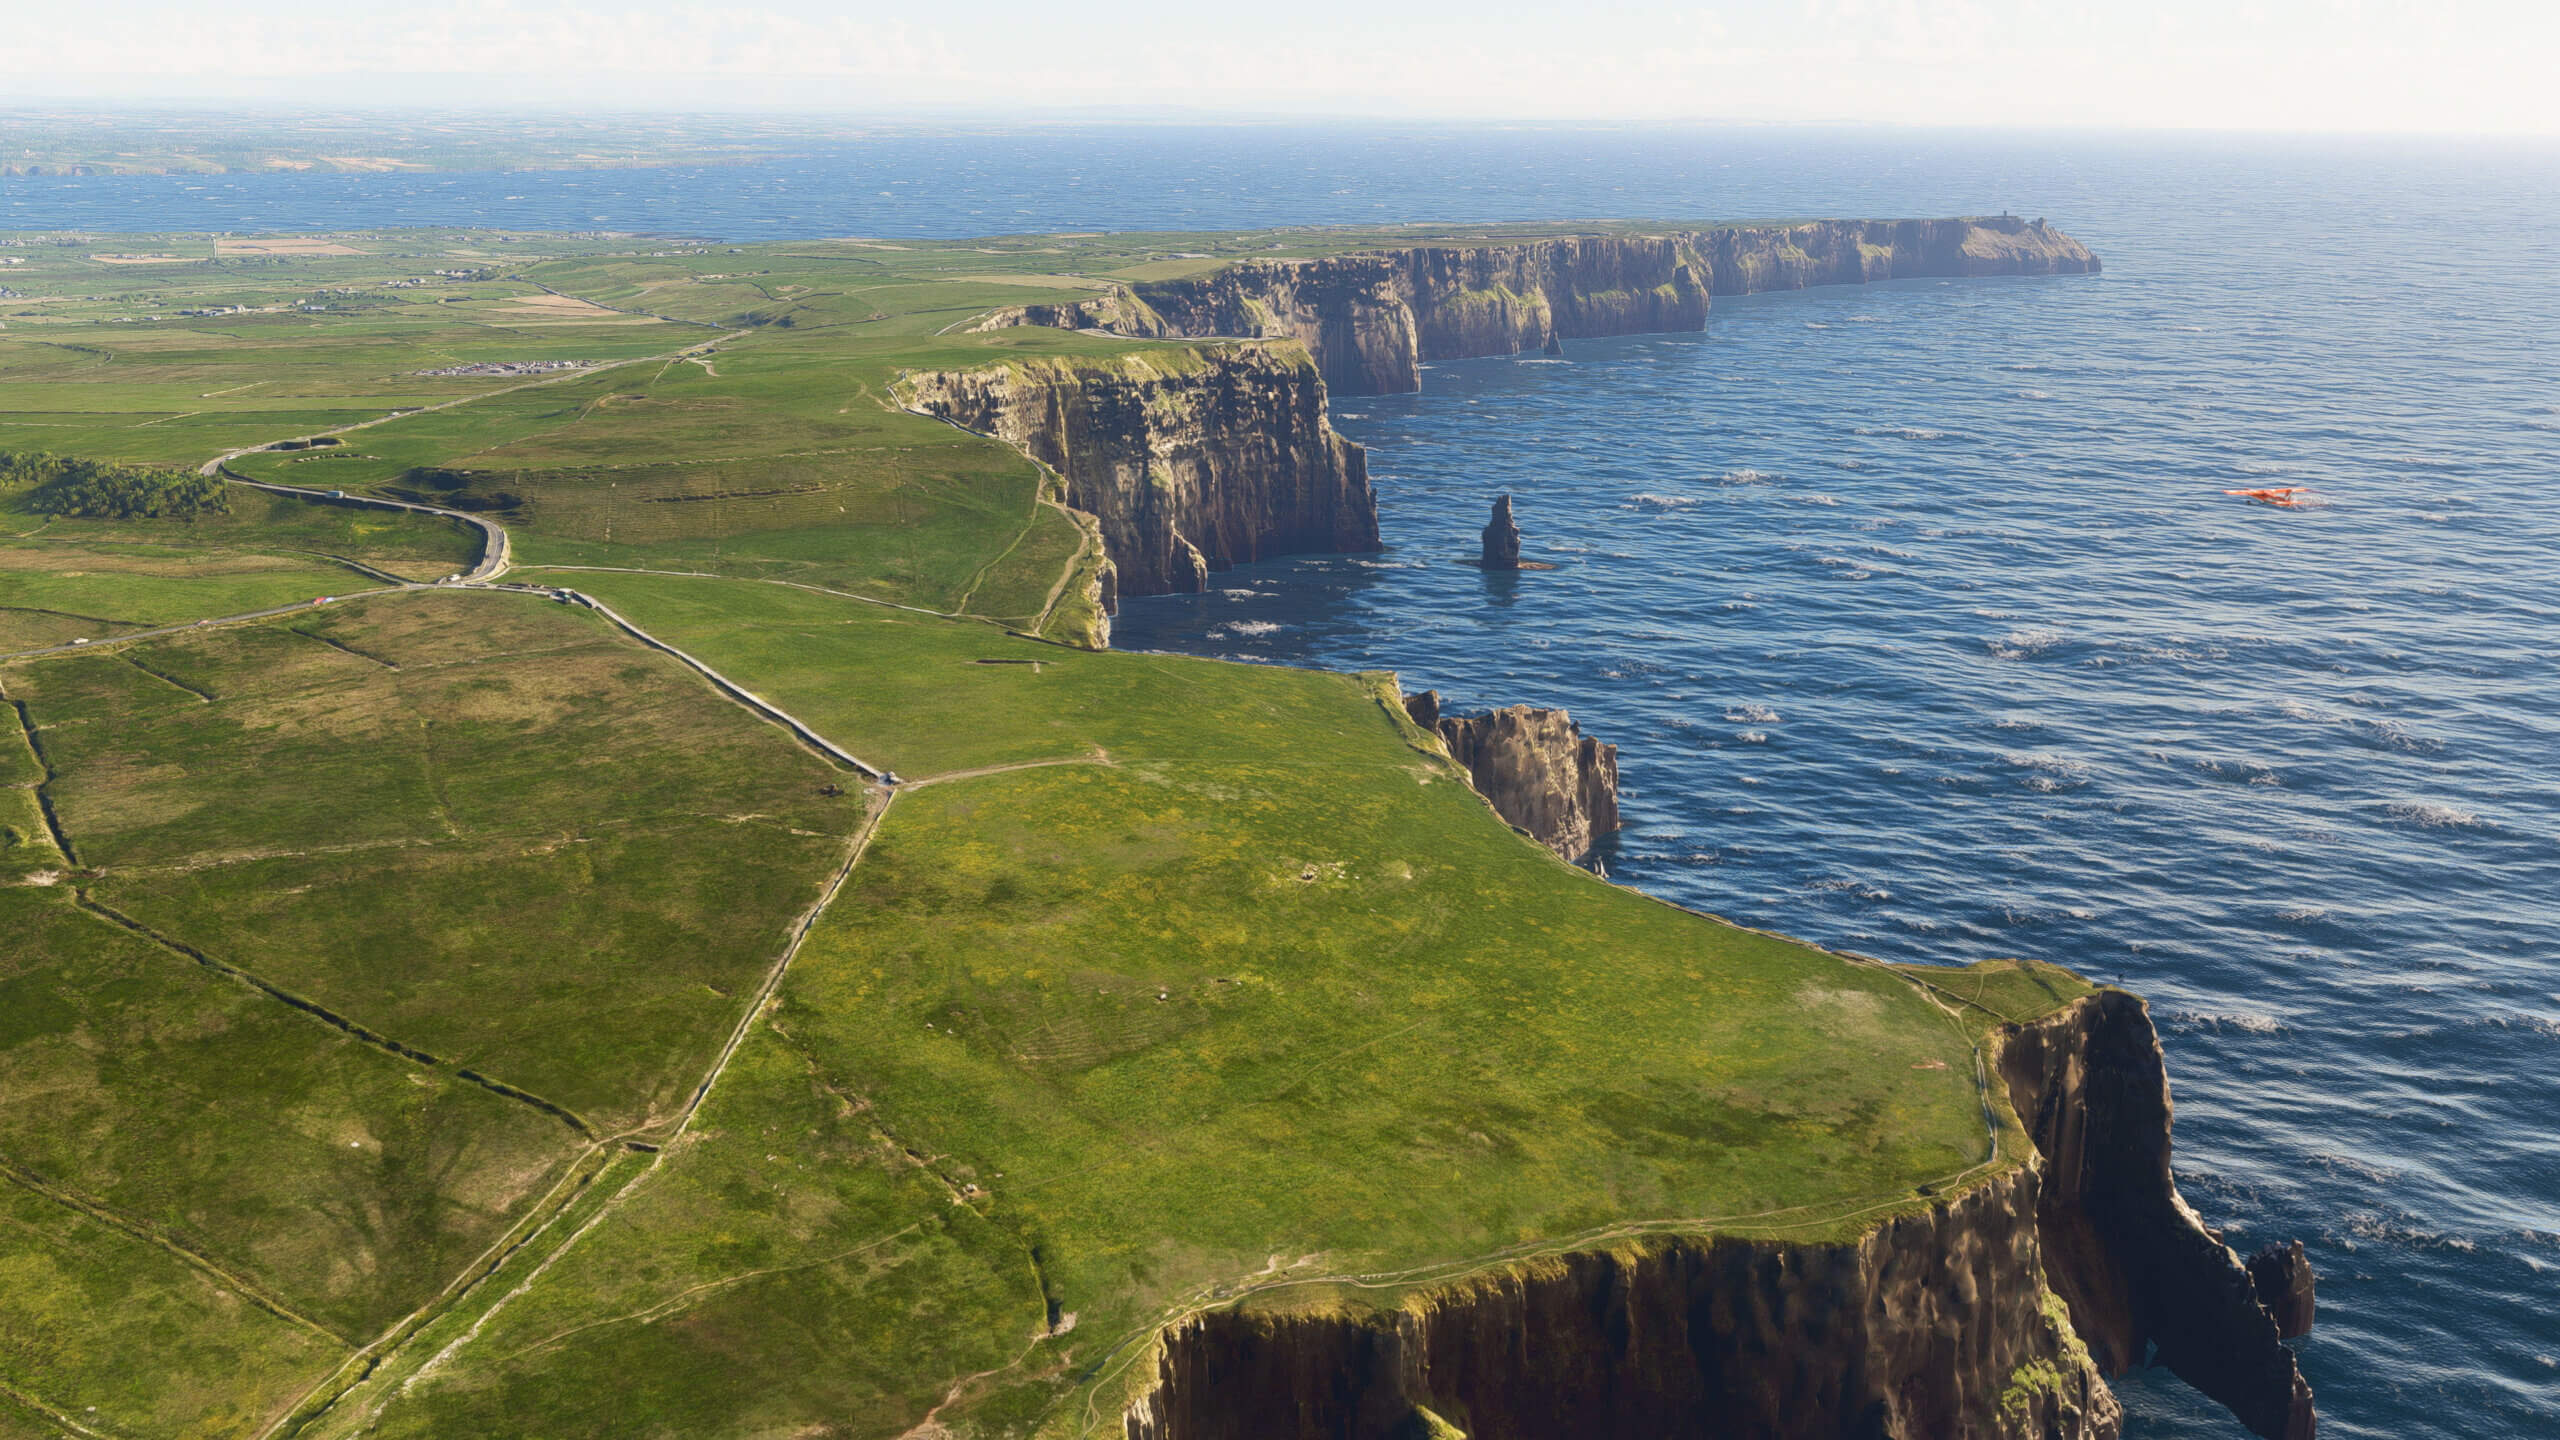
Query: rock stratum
{"type": "Point", "coordinates": [1197, 459]}
{"type": "Point", "coordinates": [1537, 769]}
{"type": "Point", "coordinates": [1992, 1312]}
{"type": "Point", "coordinates": [1191, 460]}
{"type": "Point", "coordinates": [1373, 320]}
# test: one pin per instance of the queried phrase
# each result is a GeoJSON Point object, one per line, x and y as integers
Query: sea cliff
{"type": "Point", "coordinates": [1992, 1311]}
{"type": "Point", "coordinates": [1191, 459]}
{"type": "Point", "coordinates": [1373, 320]}
{"type": "Point", "coordinates": [1537, 769]}
{"type": "Point", "coordinates": [1202, 456]}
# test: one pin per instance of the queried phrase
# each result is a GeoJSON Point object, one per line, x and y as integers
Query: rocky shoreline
{"type": "Point", "coordinates": [1996, 1310]}
{"type": "Point", "coordinates": [1373, 320]}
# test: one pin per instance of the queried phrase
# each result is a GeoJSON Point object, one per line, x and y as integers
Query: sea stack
{"type": "Point", "coordinates": [1501, 538]}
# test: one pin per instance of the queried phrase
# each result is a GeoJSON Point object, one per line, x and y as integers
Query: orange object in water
{"type": "Point", "coordinates": [2283, 497]}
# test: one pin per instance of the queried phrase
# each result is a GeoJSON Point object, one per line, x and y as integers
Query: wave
{"type": "Point", "coordinates": [1747, 476]}
{"type": "Point", "coordinates": [1752, 714]}
{"type": "Point", "coordinates": [1253, 628]}
{"type": "Point", "coordinates": [1665, 502]}
{"type": "Point", "coordinates": [2247, 1022]}
{"type": "Point", "coordinates": [2052, 773]}
{"type": "Point", "coordinates": [2033, 394]}
{"type": "Point", "coordinates": [2026, 644]}
{"type": "Point", "coordinates": [2429, 815]}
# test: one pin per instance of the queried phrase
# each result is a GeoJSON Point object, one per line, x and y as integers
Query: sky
{"type": "Point", "coordinates": [2413, 66]}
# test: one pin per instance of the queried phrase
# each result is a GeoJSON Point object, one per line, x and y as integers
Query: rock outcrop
{"type": "Point", "coordinates": [2141, 1274]}
{"type": "Point", "coordinates": [1538, 770]}
{"type": "Point", "coordinates": [1191, 459]}
{"type": "Point", "coordinates": [2280, 1273]}
{"type": "Point", "coordinates": [1373, 320]}
{"type": "Point", "coordinates": [1940, 1322]}
{"type": "Point", "coordinates": [1501, 538]}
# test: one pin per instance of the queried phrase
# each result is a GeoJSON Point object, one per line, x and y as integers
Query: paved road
{"type": "Point", "coordinates": [495, 554]}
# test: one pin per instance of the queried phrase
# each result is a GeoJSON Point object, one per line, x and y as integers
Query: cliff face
{"type": "Point", "coordinates": [1747, 260]}
{"type": "Point", "coordinates": [1371, 321]}
{"type": "Point", "coordinates": [1937, 1324]}
{"type": "Point", "coordinates": [1538, 769]}
{"type": "Point", "coordinates": [1191, 461]}
{"type": "Point", "coordinates": [2135, 1265]}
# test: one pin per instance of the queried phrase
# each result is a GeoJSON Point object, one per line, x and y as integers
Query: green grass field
{"type": "Point", "coordinates": [1270, 995]}
{"type": "Point", "coordinates": [355, 1041]}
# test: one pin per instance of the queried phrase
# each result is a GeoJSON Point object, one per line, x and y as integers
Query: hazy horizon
{"type": "Point", "coordinates": [2273, 66]}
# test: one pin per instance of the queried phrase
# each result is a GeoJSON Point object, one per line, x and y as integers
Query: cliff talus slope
{"type": "Point", "coordinates": [1937, 1323]}
{"type": "Point", "coordinates": [1190, 460]}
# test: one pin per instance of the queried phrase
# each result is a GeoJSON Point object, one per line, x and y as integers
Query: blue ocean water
{"type": "Point", "coordinates": [1922, 621]}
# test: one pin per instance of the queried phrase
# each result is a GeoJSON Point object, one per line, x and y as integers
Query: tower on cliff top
{"type": "Point", "coordinates": [1501, 538]}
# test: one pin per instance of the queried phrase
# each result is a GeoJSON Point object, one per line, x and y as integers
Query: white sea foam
{"type": "Point", "coordinates": [1746, 476]}
{"type": "Point", "coordinates": [1665, 502]}
{"type": "Point", "coordinates": [2032, 394]}
{"type": "Point", "coordinates": [1751, 714]}
{"type": "Point", "coordinates": [2242, 1020]}
{"type": "Point", "coordinates": [2429, 815]}
{"type": "Point", "coordinates": [1752, 737]}
{"type": "Point", "coordinates": [1816, 500]}
{"type": "Point", "coordinates": [2025, 644]}
{"type": "Point", "coordinates": [1247, 627]}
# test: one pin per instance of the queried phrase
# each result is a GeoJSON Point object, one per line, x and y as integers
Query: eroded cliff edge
{"type": "Point", "coordinates": [1537, 769]}
{"type": "Point", "coordinates": [1192, 459]}
{"type": "Point", "coordinates": [1373, 320]}
{"type": "Point", "coordinates": [1990, 1312]}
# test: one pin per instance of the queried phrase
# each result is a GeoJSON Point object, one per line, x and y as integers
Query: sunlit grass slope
{"type": "Point", "coordinates": [489, 826]}
{"type": "Point", "coordinates": [1259, 993]}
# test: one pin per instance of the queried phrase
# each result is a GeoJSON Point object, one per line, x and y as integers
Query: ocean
{"type": "Point", "coordinates": [1923, 623]}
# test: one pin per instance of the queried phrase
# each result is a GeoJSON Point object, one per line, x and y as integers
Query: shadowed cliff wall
{"type": "Point", "coordinates": [1937, 1324]}
{"type": "Point", "coordinates": [2135, 1265]}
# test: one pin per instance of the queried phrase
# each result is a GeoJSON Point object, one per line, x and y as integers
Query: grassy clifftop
{"type": "Point", "coordinates": [446, 1012]}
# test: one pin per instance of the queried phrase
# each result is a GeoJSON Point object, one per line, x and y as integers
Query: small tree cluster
{"type": "Point", "coordinates": [101, 490]}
